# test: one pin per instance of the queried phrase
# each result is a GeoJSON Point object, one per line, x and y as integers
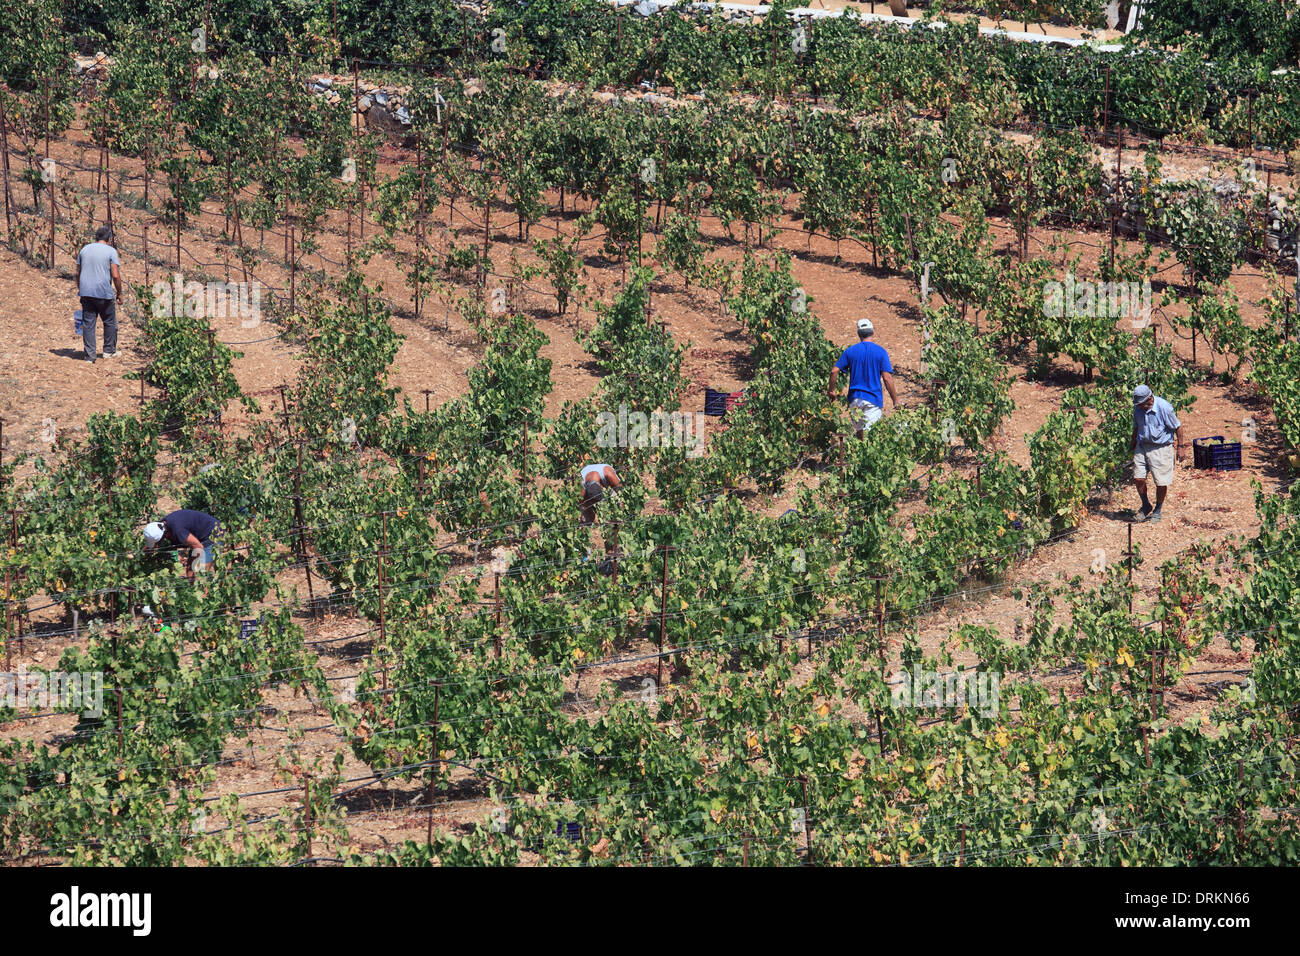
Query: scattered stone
{"type": "Point", "coordinates": [382, 119]}
{"type": "Point", "coordinates": [92, 67]}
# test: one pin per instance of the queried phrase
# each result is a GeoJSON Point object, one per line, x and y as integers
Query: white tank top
{"type": "Point", "coordinates": [599, 473]}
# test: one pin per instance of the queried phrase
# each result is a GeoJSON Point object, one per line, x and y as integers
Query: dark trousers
{"type": "Point", "coordinates": [91, 310]}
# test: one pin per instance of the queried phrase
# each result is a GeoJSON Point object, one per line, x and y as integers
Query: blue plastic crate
{"type": "Point", "coordinates": [572, 830]}
{"type": "Point", "coordinates": [1225, 456]}
{"type": "Point", "coordinates": [715, 402]}
{"type": "Point", "coordinates": [719, 403]}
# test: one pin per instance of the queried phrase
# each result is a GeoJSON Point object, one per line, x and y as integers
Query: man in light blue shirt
{"type": "Point", "coordinates": [869, 367]}
{"type": "Point", "coordinates": [99, 284]}
{"type": "Point", "coordinates": [1155, 430]}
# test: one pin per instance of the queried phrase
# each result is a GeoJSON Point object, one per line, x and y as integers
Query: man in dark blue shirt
{"type": "Point", "coordinates": [869, 367]}
{"type": "Point", "coordinates": [185, 529]}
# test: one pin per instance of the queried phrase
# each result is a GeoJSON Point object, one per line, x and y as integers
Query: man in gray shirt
{"type": "Point", "coordinates": [99, 283]}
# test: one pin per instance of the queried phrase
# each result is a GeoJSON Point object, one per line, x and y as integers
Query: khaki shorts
{"type": "Point", "coordinates": [1156, 460]}
{"type": "Point", "coordinates": [864, 414]}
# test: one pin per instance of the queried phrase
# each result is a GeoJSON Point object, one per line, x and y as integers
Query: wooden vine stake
{"type": "Point", "coordinates": [108, 170]}
{"type": "Point", "coordinates": [1241, 809]}
{"type": "Point", "coordinates": [4, 167]}
{"type": "Point", "coordinates": [22, 609]}
{"type": "Point", "coordinates": [1114, 212]}
{"type": "Point", "coordinates": [1128, 557]}
{"type": "Point", "coordinates": [614, 525]}
{"type": "Point", "coordinates": [47, 156]}
{"type": "Point", "coordinates": [212, 364]}
{"type": "Point", "coordinates": [174, 183]}
{"type": "Point", "coordinates": [433, 761]}
{"type": "Point", "coordinates": [1151, 704]}
{"type": "Point", "coordinates": [299, 520]}
{"type": "Point", "coordinates": [1160, 680]}
{"type": "Point", "coordinates": [524, 459]}
{"type": "Point", "coordinates": [1105, 112]}
{"type": "Point", "coordinates": [419, 224]}
{"type": "Point", "coordinates": [880, 648]}
{"type": "Point", "coordinates": [234, 210]}
{"type": "Point", "coordinates": [148, 169]}
{"type": "Point", "coordinates": [496, 603]}
{"type": "Point", "coordinates": [306, 812]}
{"type": "Point", "coordinates": [880, 623]}
{"type": "Point", "coordinates": [9, 663]}
{"type": "Point", "coordinates": [383, 630]}
{"type": "Point", "coordinates": [284, 407]}
{"type": "Point", "coordinates": [293, 270]}
{"type": "Point", "coordinates": [663, 613]}
{"type": "Point", "coordinates": [487, 222]}
{"type": "Point", "coordinates": [117, 692]}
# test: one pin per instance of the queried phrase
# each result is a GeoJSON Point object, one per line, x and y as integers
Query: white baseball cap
{"type": "Point", "coordinates": [864, 325]}
{"type": "Point", "coordinates": [153, 533]}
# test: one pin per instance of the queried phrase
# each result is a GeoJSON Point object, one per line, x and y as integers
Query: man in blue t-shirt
{"type": "Point", "coordinates": [868, 367]}
{"type": "Point", "coordinates": [185, 529]}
